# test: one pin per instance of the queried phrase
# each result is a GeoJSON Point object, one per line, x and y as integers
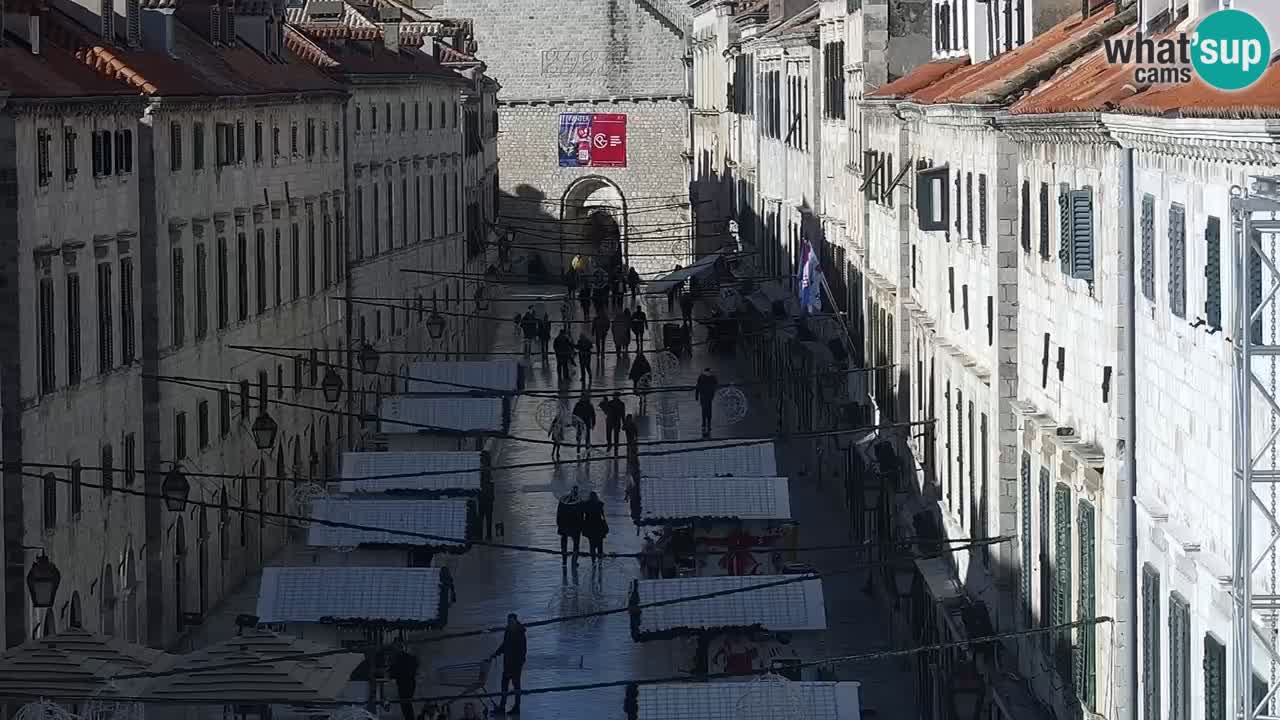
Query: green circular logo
{"type": "Point", "coordinates": [1231, 49]}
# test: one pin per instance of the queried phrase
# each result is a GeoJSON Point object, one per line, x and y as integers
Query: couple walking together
{"type": "Point", "coordinates": [576, 517]}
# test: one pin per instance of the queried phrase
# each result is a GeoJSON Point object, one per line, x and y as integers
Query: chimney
{"type": "Point", "coordinates": [390, 24]}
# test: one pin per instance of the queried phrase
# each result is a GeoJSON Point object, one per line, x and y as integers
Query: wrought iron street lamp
{"type": "Point", "coordinates": [482, 298]}
{"type": "Point", "coordinates": [175, 489]}
{"type": "Point", "coordinates": [435, 325]}
{"type": "Point", "coordinates": [43, 580]}
{"type": "Point", "coordinates": [331, 385]}
{"type": "Point", "coordinates": [368, 358]}
{"type": "Point", "coordinates": [264, 431]}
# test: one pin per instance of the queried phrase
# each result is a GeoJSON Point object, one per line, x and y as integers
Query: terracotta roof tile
{"type": "Point", "coordinates": [1009, 74]}
{"type": "Point", "coordinates": [1196, 99]}
{"type": "Point", "coordinates": [1091, 84]}
{"type": "Point", "coordinates": [449, 55]}
{"type": "Point", "coordinates": [919, 78]}
{"type": "Point", "coordinates": [323, 46]}
{"type": "Point", "coordinates": [54, 73]}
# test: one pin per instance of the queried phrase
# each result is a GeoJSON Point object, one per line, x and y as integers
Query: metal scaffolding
{"type": "Point", "coordinates": [1255, 430]}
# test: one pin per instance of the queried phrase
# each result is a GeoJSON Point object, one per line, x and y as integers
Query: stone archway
{"type": "Point", "coordinates": [593, 215]}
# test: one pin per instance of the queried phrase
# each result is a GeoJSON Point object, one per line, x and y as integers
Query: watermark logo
{"type": "Point", "coordinates": [1229, 50]}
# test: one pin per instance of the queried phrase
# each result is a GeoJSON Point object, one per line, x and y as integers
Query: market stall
{"type": "Point", "coordinates": [770, 697]}
{"type": "Point", "coordinates": [471, 377]}
{"type": "Point", "coordinates": [427, 474]}
{"type": "Point", "coordinates": [419, 527]}
{"type": "Point", "coordinates": [450, 422]}
{"type": "Point", "coordinates": [713, 458]}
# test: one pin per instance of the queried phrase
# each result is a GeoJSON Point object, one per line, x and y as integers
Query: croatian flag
{"type": "Point", "coordinates": [809, 280]}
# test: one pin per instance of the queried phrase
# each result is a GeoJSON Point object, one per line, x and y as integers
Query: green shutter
{"type": "Point", "coordinates": [1025, 538]}
{"type": "Point", "coordinates": [1064, 228]}
{"type": "Point", "coordinates": [1178, 260]}
{"type": "Point", "coordinates": [1213, 273]}
{"type": "Point", "coordinates": [1148, 229]}
{"type": "Point", "coordinates": [1082, 234]}
{"type": "Point", "coordinates": [1179, 659]}
{"type": "Point", "coordinates": [1026, 216]}
{"type": "Point", "coordinates": [1150, 644]}
{"type": "Point", "coordinates": [1215, 680]}
{"type": "Point", "coordinates": [982, 209]}
{"type": "Point", "coordinates": [1085, 671]}
{"type": "Point", "coordinates": [1046, 566]}
{"type": "Point", "coordinates": [1061, 607]}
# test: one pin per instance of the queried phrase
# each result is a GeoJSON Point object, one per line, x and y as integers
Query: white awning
{"type": "Point", "coordinates": [362, 472]}
{"type": "Point", "coordinates": [403, 414]}
{"type": "Point", "coordinates": [697, 268]}
{"type": "Point", "coordinates": [445, 518]}
{"type": "Point", "coordinates": [739, 498]}
{"type": "Point", "coordinates": [714, 458]}
{"type": "Point", "coordinates": [779, 608]}
{"type": "Point", "coordinates": [330, 594]}
{"type": "Point", "coordinates": [725, 700]}
{"type": "Point", "coordinates": [493, 377]}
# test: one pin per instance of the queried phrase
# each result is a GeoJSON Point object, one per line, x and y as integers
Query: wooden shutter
{"type": "Point", "coordinates": [1086, 661]}
{"type": "Point", "coordinates": [1151, 658]}
{"type": "Point", "coordinates": [1026, 216]}
{"type": "Point", "coordinates": [1179, 659]}
{"type": "Point", "coordinates": [982, 209]}
{"type": "Point", "coordinates": [1044, 221]}
{"type": "Point", "coordinates": [1255, 286]}
{"type": "Point", "coordinates": [1215, 679]}
{"type": "Point", "coordinates": [1148, 230]}
{"type": "Point", "coordinates": [1213, 273]}
{"type": "Point", "coordinates": [1024, 570]}
{"type": "Point", "coordinates": [1081, 207]}
{"type": "Point", "coordinates": [951, 287]}
{"type": "Point", "coordinates": [1064, 228]}
{"type": "Point", "coordinates": [1177, 260]}
{"type": "Point", "coordinates": [968, 204]}
{"type": "Point", "coordinates": [1061, 610]}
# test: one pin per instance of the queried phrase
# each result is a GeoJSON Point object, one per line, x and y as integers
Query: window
{"type": "Point", "coordinates": [197, 147]}
{"type": "Point", "coordinates": [1178, 260]}
{"type": "Point", "coordinates": [202, 424]}
{"type": "Point", "coordinates": [69, 154]}
{"type": "Point", "coordinates": [223, 301]}
{"type": "Point", "coordinates": [260, 272]}
{"type": "Point", "coordinates": [257, 141]}
{"type": "Point", "coordinates": [50, 501]}
{"type": "Point", "coordinates": [127, 334]}
{"type": "Point", "coordinates": [1075, 251]}
{"type": "Point", "coordinates": [275, 141]}
{"type": "Point", "coordinates": [311, 251]}
{"type": "Point", "coordinates": [77, 489]}
{"type": "Point", "coordinates": [202, 291]}
{"type": "Point", "coordinates": [179, 298]}
{"type": "Point", "coordinates": [1061, 603]}
{"type": "Point", "coordinates": [48, 373]}
{"type": "Point", "coordinates": [417, 194]}
{"type": "Point", "coordinates": [130, 459]}
{"type": "Point", "coordinates": [124, 152]}
{"type": "Point", "coordinates": [102, 157]}
{"type": "Point", "coordinates": [404, 211]}
{"type": "Point", "coordinates": [1044, 221]}
{"type": "Point", "coordinates": [833, 104]}
{"type": "Point", "coordinates": [223, 144]}
{"type": "Point", "coordinates": [1148, 230]}
{"type": "Point", "coordinates": [1150, 644]}
{"type": "Point", "coordinates": [968, 205]}
{"type": "Point", "coordinates": [44, 173]}
{"type": "Point", "coordinates": [244, 400]}
{"type": "Point", "coordinates": [359, 223]}
{"type": "Point", "coordinates": [1215, 679]}
{"type": "Point", "coordinates": [180, 435]}
{"type": "Point", "coordinates": [403, 115]}
{"type": "Point", "coordinates": [326, 245]}
{"type": "Point", "coordinates": [416, 119]}
{"type": "Point", "coordinates": [964, 304]}
{"type": "Point", "coordinates": [388, 125]}
{"type": "Point", "coordinates": [106, 324]}
{"type": "Point", "coordinates": [1024, 540]}
{"type": "Point", "coordinates": [377, 227]}
{"type": "Point", "coordinates": [951, 288]}
{"type": "Point", "coordinates": [1213, 274]}
{"type": "Point", "coordinates": [175, 147]}
{"type": "Point", "coordinates": [224, 413]}
{"type": "Point", "coordinates": [359, 118]}
{"type": "Point", "coordinates": [982, 209]}
{"type": "Point", "coordinates": [933, 201]}
{"type": "Point", "coordinates": [311, 137]}
{"type": "Point", "coordinates": [1179, 658]}
{"type": "Point", "coordinates": [293, 139]}
{"type": "Point", "coordinates": [239, 141]}
{"type": "Point", "coordinates": [324, 139]}
{"type": "Point", "coordinates": [1046, 567]}
{"type": "Point", "coordinates": [1086, 660]}
{"type": "Point", "coordinates": [275, 265]}
{"type": "Point", "coordinates": [73, 329]}
{"type": "Point", "coordinates": [373, 117]}
{"type": "Point", "coordinates": [1026, 216]}
{"type": "Point", "coordinates": [295, 247]}
{"type": "Point", "coordinates": [108, 471]}
{"type": "Point", "coordinates": [391, 216]}
{"type": "Point", "coordinates": [242, 277]}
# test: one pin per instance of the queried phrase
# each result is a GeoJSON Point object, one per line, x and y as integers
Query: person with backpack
{"type": "Point", "coordinates": [705, 392]}
{"type": "Point", "coordinates": [563, 347]}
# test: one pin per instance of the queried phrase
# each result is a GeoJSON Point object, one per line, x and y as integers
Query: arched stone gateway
{"type": "Point", "coordinates": [593, 215]}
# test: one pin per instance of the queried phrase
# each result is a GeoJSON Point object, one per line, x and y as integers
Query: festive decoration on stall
{"type": "Point", "coordinates": [599, 278]}
{"type": "Point", "coordinates": [547, 412]}
{"type": "Point", "coordinates": [730, 405]}
{"type": "Point", "coordinates": [668, 413]}
{"type": "Point", "coordinates": [665, 365]}
{"type": "Point", "coordinates": [104, 706]}
{"type": "Point", "coordinates": [770, 697]}
{"type": "Point", "coordinates": [301, 498]}
{"type": "Point", "coordinates": [44, 710]}
{"type": "Point", "coordinates": [351, 712]}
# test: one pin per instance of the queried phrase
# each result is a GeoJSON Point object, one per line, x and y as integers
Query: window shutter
{"type": "Point", "coordinates": [1179, 659]}
{"type": "Point", "coordinates": [1082, 234]}
{"type": "Point", "coordinates": [982, 209]}
{"type": "Point", "coordinates": [968, 205]}
{"type": "Point", "coordinates": [1148, 229]}
{"type": "Point", "coordinates": [951, 287]}
{"type": "Point", "coordinates": [1061, 610]}
{"type": "Point", "coordinates": [1044, 221]}
{"type": "Point", "coordinates": [1026, 216]}
{"type": "Point", "coordinates": [1177, 260]}
{"type": "Point", "coordinates": [933, 199]}
{"type": "Point", "coordinates": [1215, 679]}
{"type": "Point", "coordinates": [1150, 644]}
{"type": "Point", "coordinates": [1213, 273]}
{"type": "Point", "coordinates": [1064, 228]}
{"type": "Point", "coordinates": [1255, 286]}
{"type": "Point", "coordinates": [1085, 656]}
{"type": "Point", "coordinates": [964, 304]}
{"type": "Point", "coordinates": [1024, 570]}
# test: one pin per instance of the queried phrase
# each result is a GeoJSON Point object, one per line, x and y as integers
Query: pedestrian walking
{"type": "Point", "coordinates": [584, 358]}
{"type": "Point", "coordinates": [639, 323]}
{"type": "Point", "coordinates": [556, 433]}
{"type": "Point", "coordinates": [686, 309]}
{"type": "Point", "coordinates": [639, 369]}
{"type": "Point", "coordinates": [619, 286]}
{"type": "Point", "coordinates": [529, 326]}
{"type": "Point", "coordinates": [514, 650]}
{"type": "Point", "coordinates": [586, 414]}
{"type": "Point", "coordinates": [614, 410]}
{"type": "Point", "coordinates": [674, 293]}
{"type": "Point", "coordinates": [563, 347]}
{"type": "Point", "coordinates": [601, 298]}
{"type": "Point", "coordinates": [544, 335]}
{"type": "Point", "coordinates": [404, 670]}
{"type": "Point", "coordinates": [705, 391]}
{"type": "Point", "coordinates": [569, 525]}
{"type": "Point", "coordinates": [486, 508]}
{"type": "Point", "coordinates": [621, 333]}
{"type": "Point", "coordinates": [571, 281]}
{"type": "Point", "coordinates": [600, 329]}
{"type": "Point", "coordinates": [584, 299]}
{"type": "Point", "coordinates": [633, 281]}
{"type": "Point", "coordinates": [595, 526]}
{"type": "Point", "coordinates": [632, 430]}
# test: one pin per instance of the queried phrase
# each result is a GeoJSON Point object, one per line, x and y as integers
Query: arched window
{"type": "Point", "coordinates": [77, 616]}
{"type": "Point", "coordinates": [278, 481]}
{"type": "Point", "coordinates": [202, 559]}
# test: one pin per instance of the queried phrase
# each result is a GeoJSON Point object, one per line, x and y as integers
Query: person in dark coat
{"type": "Point", "coordinates": [633, 282]}
{"type": "Point", "coordinates": [600, 329]}
{"type": "Point", "coordinates": [639, 368]}
{"type": "Point", "coordinates": [686, 309]}
{"type": "Point", "coordinates": [404, 670]}
{"type": "Point", "coordinates": [705, 391]}
{"type": "Point", "coordinates": [564, 355]}
{"type": "Point", "coordinates": [584, 358]}
{"type": "Point", "coordinates": [614, 410]}
{"type": "Point", "coordinates": [529, 326]}
{"type": "Point", "coordinates": [569, 524]}
{"type": "Point", "coordinates": [621, 333]}
{"type": "Point", "coordinates": [587, 415]}
{"type": "Point", "coordinates": [514, 650]}
{"type": "Point", "coordinates": [601, 298]}
{"type": "Point", "coordinates": [544, 335]}
{"type": "Point", "coordinates": [485, 507]}
{"type": "Point", "coordinates": [584, 299]}
{"type": "Point", "coordinates": [619, 285]}
{"type": "Point", "coordinates": [595, 526]}
{"type": "Point", "coordinates": [639, 323]}
{"type": "Point", "coordinates": [674, 293]}
{"type": "Point", "coordinates": [632, 430]}
{"type": "Point", "coordinates": [571, 281]}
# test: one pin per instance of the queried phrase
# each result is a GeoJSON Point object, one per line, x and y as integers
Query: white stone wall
{"type": "Point", "coordinates": [68, 228]}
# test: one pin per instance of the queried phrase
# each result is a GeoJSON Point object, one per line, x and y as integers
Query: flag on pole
{"type": "Point", "coordinates": [808, 280]}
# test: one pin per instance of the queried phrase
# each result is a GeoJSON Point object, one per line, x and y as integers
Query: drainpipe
{"type": "Point", "coordinates": [1127, 527]}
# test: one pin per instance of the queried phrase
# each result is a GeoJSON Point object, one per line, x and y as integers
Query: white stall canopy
{"type": "Point", "coordinates": [666, 499]}
{"type": "Point", "coordinates": [433, 415]}
{"type": "Point", "coordinates": [766, 698]}
{"type": "Point", "coordinates": [484, 377]}
{"type": "Point", "coordinates": [443, 518]}
{"type": "Point", "coordinates": [374, 595]}
{"type": "Point", "coordinates": [715, 458]}
{"type": "Point", "coordinates": [444, 472]}
{"type": "Point", "coordinates": [795, 606]}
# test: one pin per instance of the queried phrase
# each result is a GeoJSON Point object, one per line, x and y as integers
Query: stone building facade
{"type": "Point", "coordinates": [593, 56]}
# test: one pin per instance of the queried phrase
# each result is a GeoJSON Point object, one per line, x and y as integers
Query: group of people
{"type": "Point", "coordinates": [575, 518]}
{"type": "Point", "coordinates": [615, 287]}
{"type": "Point", "coordinates": [583, 418]}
